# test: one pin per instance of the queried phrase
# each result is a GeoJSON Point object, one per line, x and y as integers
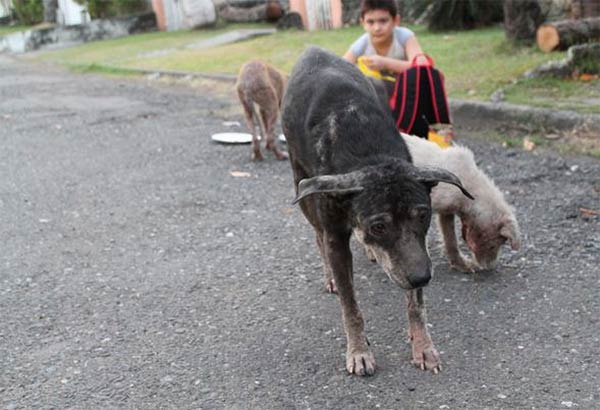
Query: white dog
{"type": "Point", "coordinates": [487, 222]}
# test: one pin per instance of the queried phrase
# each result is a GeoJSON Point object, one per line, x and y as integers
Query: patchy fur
{"type": "Point", "coordinates": [487, 222]}
{"type": "Point", "coordinates": [261, 84]}
{"type": "Point", "coordinates": [353, 173]}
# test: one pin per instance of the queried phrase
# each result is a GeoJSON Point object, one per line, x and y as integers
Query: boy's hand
{"type": "Point", "coordinates": [375, 62]}
{"type": "Point", "coordinates": [421, 60]}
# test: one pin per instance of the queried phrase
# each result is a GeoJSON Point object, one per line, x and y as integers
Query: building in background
{"type": "Point", "coordinates": [181, 14]}
{"type": "Point", "coordinates": [70, 13]}
{"type": "Point", "coordinates": [318, 14]}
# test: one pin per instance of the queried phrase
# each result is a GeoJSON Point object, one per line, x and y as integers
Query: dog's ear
{"type": "Point", "coordinates": [343, 184]}
{"type": "Point", "coordinates": [430, 176]}
{"type": "Point", "coordinates": [510, 231]}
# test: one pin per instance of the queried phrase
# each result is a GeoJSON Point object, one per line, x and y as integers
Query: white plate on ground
{"type": "Point", "coordinates": [237, 137]}
{"type": "Point", "coordinates": [232, 137]}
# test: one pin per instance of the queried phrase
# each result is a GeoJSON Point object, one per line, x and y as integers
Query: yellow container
{"type": "Point", "coordinates": [362, 66]}
{"type": "Point", "coordinates": [441, 140]}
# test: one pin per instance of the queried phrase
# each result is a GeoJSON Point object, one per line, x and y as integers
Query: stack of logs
{"type": "Point", "coordinates": [582, 27]}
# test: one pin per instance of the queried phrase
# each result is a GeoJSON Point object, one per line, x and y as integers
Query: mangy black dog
{"type": "Point", "coordinates": [353, 173]}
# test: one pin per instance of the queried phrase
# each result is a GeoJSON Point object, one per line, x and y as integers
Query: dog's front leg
{"type": "Point", "coordinates": [359, 358]}
{"type": "Point", "coordinates": [456, 258]}
{"type": "Point", "coordinates": [329, 281]}
{"type": "Point", "coordinates": [424, 353]}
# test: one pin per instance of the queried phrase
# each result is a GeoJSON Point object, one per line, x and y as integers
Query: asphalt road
{"type": "Point", "coordinates": [136, 271]}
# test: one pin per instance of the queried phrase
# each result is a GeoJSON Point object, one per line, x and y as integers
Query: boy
{"type": "Point", "coordinates": [384, 47]}
{"type": "Point", "coordinates": [386, 50]}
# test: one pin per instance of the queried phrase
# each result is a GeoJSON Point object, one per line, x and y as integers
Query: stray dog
{"type": "Point", "coordinates": [261, 84]}
{"type": "Point", "coordinates": [353, 174]}
{"type": "Point", "coordinates": [487, 223]}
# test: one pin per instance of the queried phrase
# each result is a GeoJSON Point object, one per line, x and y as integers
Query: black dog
{"type": "Point", "coordinates": [353, 173]}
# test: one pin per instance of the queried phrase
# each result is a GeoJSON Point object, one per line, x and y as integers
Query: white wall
{"type": "Point", "coordinates": [70, 13]}
{"type": "Point", "coordinates": [5, 8]}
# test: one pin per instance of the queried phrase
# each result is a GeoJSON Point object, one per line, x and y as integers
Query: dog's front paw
{"type": "Point", "coordinates": [370, 254]}
{"type": "Point", "coordinates": [360, 362]}
{"type": "Point", "coordinates": [330, 286]}
{"type": "Point", "coordinates": [427, 358]}
{"type": "Point", "coordinates": [464, 264]}
{"type": "Point", "coordinates": [257, 156]}
{"type": "Point", "coordinates": [281, 155]}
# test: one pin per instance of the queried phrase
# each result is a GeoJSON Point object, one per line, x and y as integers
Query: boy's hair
{"type": "Point", "coordinates": [370, 5]}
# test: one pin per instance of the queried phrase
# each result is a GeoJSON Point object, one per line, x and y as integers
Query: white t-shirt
{"type": "Point", "coordinates": [364, 47]}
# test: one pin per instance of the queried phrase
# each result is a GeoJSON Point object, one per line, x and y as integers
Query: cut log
{"type": "Point", "coordinates": [560, 35]}
{"type": "Point", "coordinates": [233, 14]}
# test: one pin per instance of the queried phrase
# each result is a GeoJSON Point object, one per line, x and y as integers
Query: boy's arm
{"type": "Point", "coordinates": [377, 62]}
{"type": "Point", "coordinates": [349, 56]}
{"type": "Point", "coordinates": [413, 48]}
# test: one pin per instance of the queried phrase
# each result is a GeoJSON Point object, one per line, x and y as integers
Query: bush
{"type": "Point", "coordinates": [29, 12]}
{"type": "Point", "coordinates": [127, 7]}
{"type": "Point", "coordinates": [111, 8]}
{"type": "Point", "coordinates": [99, 9]}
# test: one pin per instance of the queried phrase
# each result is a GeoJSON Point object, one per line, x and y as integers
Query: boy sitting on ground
{"type": "Point", "coordinates": [385, 47]}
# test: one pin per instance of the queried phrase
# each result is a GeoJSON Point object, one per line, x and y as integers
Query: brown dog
{"type": "Point", "coordinates": [261, 84]}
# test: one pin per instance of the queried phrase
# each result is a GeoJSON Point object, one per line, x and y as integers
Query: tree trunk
{"type": "Point", "coordinates": [560, 35]}
{"type": "Point", "coordinates": [521, 20]}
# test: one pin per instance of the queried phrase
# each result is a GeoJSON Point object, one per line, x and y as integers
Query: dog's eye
{"type": "Point", "coordinates": [378, 229]}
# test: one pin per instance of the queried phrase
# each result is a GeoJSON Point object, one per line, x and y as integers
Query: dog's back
{"type": "Point", "coordinates": [333, 99]}
{"type": "Point", "coordinates": [261, 84]}
{"type": "Point", "coordinates": [460, 161]}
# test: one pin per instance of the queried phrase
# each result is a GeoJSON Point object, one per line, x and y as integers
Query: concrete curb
{"type": "Point", "coordinates": [475, 114]}
{"type": "Point", "coordinates": [469, 112]}
{"type": "Point", "coordinates": [231, 78]}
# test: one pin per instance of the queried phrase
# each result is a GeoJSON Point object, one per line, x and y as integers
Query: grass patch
{"type": "Point", "coordinates": [564, 94]}
{"type": "Point", "coordinates": [6, 30]}
{"type": "Point", "coordinates": [101, 69]}
{"type": "Point", "coordinates": [475, 63]}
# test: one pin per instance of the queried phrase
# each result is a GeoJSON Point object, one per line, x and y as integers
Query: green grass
{"type": "Point", "coordinates": [568, 94]}
{"type": "Point", "coordinates": [5, 30]}
{"type": "Point", "coordinates": [475, 63]}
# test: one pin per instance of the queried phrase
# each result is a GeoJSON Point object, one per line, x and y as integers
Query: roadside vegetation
{"type": "Point", "coordinates": [6, 30]}
{"type": "Point", "coordinates": [475, 63]}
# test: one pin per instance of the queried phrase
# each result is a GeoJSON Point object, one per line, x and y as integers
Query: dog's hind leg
{"type": "Point", "coordinates": [424, 353]}
{"type": "Point", "coordinates": [250, 115]}
{"type": "Point", "coordinates": [456, 258]}
{"type": "Point", "coordinates": [269, 118]}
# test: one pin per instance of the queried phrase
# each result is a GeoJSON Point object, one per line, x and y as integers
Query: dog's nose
{"type": "Point", "coordinates": [418, 281]}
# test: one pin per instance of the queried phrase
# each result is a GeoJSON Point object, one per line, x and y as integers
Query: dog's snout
{"type": "Point", "coordinates": [420, 280]}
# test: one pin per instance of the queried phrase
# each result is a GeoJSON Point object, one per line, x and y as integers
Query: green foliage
{"type": "Point", "coordinates": [29, 12]}
{"type": "Point", "coordinates": [127, 7]}
{"type": "Point", "coordinates": [100, 8]}
{"type": "Point", "coordinates": [112, 8]}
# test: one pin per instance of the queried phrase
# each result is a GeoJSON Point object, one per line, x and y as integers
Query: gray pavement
{"type": "Point", "coordinates": [138, 272]}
